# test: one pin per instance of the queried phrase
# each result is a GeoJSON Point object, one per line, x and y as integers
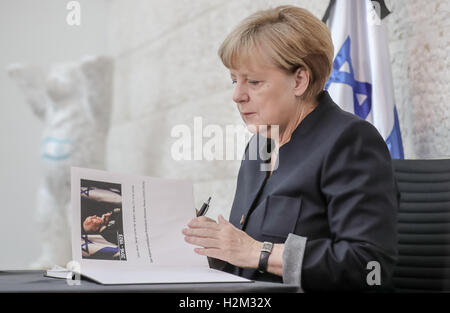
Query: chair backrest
{"type": "Point", "coordinates": [423, 226]}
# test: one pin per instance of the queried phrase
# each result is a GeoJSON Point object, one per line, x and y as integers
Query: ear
{"type": "Point", "coordinates": [301, 77]}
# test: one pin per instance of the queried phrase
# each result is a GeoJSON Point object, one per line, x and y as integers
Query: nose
{"type": "Point", "coordinates": [240, 94]}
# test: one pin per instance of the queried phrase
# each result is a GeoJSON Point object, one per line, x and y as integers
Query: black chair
{"type": "Point", "coordinates": [423, 226]}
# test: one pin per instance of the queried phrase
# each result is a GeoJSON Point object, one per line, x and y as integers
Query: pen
{"type": "Point", "coordinates": [204, 208]}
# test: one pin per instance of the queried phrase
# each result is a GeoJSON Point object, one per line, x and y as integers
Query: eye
{"type": "Point", "coordinates": [233, 82]}
{"type": "Point", "coordinates": [253, 82]}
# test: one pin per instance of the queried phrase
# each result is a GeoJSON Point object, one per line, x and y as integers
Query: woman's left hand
{"type": "Point", "coordinates": [223, 241]}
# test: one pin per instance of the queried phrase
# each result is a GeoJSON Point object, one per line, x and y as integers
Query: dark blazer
{"type": "Point", "coordinates": [334, 185]}
{"type": "Point", "coordinates": [114, 227]}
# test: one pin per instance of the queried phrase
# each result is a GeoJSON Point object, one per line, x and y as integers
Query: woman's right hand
{"type": "Point", "coordinates": [207, 219]}
{"type": "Point", "coordinates": [204, 218]}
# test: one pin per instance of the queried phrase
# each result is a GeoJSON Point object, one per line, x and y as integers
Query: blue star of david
{"type": "Point", "coordinates": [363, 109]}
{"type": "Point", "coordinates": [86, 191]}
{"type": "Point", "coordinates": [85, 245]}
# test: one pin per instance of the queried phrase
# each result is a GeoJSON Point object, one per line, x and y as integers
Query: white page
{"type": "Point", "coordinates": [153, 212]}
{"type": "Point", "coordinates": [158, 275]}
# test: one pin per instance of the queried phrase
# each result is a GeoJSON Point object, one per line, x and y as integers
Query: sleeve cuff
{"type": "Point", "coordinates": [294, 249]}
{"type": "Point", "coordinates": [216, 263]}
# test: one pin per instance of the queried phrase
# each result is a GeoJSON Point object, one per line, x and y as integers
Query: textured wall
{"type": "Point", "coordinates": [168, 72]}
{"type": "Point", "coordinates": [419, 35]}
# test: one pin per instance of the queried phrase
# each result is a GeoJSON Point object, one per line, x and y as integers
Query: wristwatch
{"type": "Point", "coordinates": [266, 249]}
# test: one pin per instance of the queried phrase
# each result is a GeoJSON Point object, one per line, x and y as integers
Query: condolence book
{"type": "Point", "coordinates": [127, 230]}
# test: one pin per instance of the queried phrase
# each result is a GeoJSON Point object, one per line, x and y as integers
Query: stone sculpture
{"type": "Point", "coordinates": [74, 101]}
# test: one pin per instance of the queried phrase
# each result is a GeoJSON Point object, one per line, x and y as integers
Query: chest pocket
{"type": "Point", "coordinates": [280, 216]}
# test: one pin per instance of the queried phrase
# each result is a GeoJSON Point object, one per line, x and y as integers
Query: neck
{"type": "Point", "coordinates": [303, 110]}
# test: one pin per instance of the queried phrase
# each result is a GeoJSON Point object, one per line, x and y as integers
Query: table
{"type": "Point", "coordinates": [35, 281]}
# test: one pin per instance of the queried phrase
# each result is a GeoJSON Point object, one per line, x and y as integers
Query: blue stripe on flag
{"type": "Point", "coordinates": [394, 140]}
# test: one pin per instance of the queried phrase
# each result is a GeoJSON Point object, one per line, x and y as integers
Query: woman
{"type": "Point", "coordinates": [326, 207]}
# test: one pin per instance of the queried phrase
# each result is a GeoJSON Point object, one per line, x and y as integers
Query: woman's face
{"type": "Point", "coordinates": [264, 94]}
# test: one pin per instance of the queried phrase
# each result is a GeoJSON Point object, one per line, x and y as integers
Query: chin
{"type": "Point", "coordinates": [251, 127]}
{"type": "Point", "coordinates": [262, 130]}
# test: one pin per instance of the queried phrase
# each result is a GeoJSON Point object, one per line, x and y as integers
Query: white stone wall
{"type": "Point", "coordinates": [419, 35]}
{"type": "Point", "coordinates": [168, 72]}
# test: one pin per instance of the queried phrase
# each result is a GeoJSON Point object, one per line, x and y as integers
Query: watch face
{"type": "Point", "coordinates": [267, 246]}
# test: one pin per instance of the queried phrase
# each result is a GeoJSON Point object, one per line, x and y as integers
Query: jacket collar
{"type": "Point", "coordinates": [254, 183]}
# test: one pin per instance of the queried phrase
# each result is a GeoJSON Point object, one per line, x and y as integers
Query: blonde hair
{"type": "Point", "coordinates": [292, 37]}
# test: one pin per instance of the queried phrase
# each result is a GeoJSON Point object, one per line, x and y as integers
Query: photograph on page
{"type": "Point", "coordinates": [102, 235]}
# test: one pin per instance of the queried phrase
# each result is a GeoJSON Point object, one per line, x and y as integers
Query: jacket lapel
{"type": "Point", "coordinates": [251, 180]}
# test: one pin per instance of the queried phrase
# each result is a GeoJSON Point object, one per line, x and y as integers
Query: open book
{"type": "Point", "coordinates": [127, 230]}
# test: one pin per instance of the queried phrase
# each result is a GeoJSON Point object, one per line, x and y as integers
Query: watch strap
{"type": "Point", "coordinates": [266, 249]}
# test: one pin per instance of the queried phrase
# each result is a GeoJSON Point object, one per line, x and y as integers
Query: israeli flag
{"type": "Point", "coordinates": [96, 247]}
{"type": "Point", "coordinates": [361, 80]}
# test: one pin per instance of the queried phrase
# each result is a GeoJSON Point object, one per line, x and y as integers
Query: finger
{"type": "Point", "coordinates": [202, 242]}
{"type": "Point", "coordinates": [206, 219]}
{"type": "Point", "coordinates": [200, 232]}
{"type": "Point", "coordinates": [222, 220]}
{"type": "Point", "coordinates": [201, 222]}
{"type": "Point", "coordinates": [210, 252]}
